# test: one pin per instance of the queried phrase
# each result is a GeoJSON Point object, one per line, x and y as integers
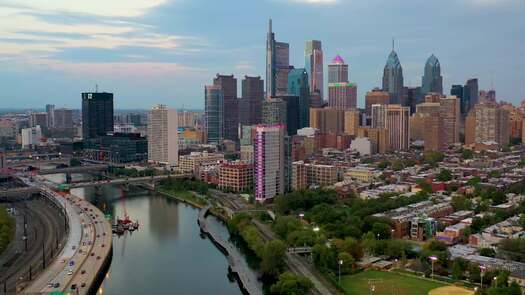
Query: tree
{"type": "Point", "coordinates": [457, 271]}
{"type": "Point", "coordinates": [348, 262]}
{"type": "Point", "coordinates": [432, 158]}
{"type": "Point", "coordinates": [461, 203]}
{"type": "Point", "coordinates": [284, 225]}
{"type": "Point", "coordinates": [272, 260]}
{"type": "Point", "coordinates": [383, 165]}
{"type": "Point", "coordinates": [381, 230]}
{"type": "Point", "coordinates": [488, 252]}
{"type": "Point", "coordinates": [467, 154]}
{"type": "Point", "coordinates": [290, 284]}
{"type": "Point", "coordinates": [445, 175]}
{"type": "Point", "coordinates": [73, 162]}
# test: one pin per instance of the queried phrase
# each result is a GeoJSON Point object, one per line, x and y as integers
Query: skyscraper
{"type": "Point", "coordinates": [274, 111]}
{"type": "Point", "coordinates": [395, 119]}
{"type": "Point", "coordinates": [50, 110]}
{"type": "Point", "coordinates": [459, 92]}
{"type": "Point", "coordinates": [228, 85]}
{"type": "Point", "coordinates": [269, 162]}
{"type": "Point", "coordinates": [337, 70]}
{"type": "Point", "coordinates": [432, 80]}
{"type": "Point", "coordinates": [487, 124]}
{"type": "Point", "coordinates": [213, 113]}
{"type": "Point", "coordinates": [376, 96]}
{"type": "Point", "coordinates": [250, 105]}
{"type": "Point", "coordinates": [97, 114]}
{"type": "Point", "coordinates": [328, 120]}
{"type": "Point", "coordinates": [277, 64]}
{"type": "Point", "coordinates": [298, 86]}
{"type": "Point", "coordinates": [342, 95]}
{"type": "Point", "coordinates": [471, 93]}
{"type": "Point", "coordinates": [313, 55]}
{"type": "Point", "coordinates": [38, 119]}
{"type": "Point", "coordinates": [163, 139]}
{"type": "Point", "coordinates": [63, 119]}
{"type": "Point", "coordinates": [393, 78]}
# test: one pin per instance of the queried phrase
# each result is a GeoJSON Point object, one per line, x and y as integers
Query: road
{"type": "Point", "coordinates": [45, 232]}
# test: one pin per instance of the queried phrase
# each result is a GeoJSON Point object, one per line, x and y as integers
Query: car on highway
{"type": "Point", "coordinates": [56, 285]}
{"type": "Point", "coordinates": [69, 272]}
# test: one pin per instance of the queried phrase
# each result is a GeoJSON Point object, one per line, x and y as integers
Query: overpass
{"type": "Point", "coordinates": [19, 192]}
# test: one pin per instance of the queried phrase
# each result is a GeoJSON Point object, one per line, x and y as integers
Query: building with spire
{"type": "Point", "coordinates": [393, 77]}
{"type": "Point", "coordinates": [277, 64]}
{"type": "Point", "coordinates": [432, 80]}
{"type": "Point", "coordinates": [313, 55]}
{"type": "Point", "coordinates": [337, 70]}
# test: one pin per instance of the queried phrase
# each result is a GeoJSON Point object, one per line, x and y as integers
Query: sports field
{"type": "Point", "coordinates": [387, 283]}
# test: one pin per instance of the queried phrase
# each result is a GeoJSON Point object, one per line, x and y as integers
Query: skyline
{"type": "Point", "coordinates": [153, 52]}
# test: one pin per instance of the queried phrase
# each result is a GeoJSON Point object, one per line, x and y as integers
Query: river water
{"type": "Point", "coordinates": [167, 255]}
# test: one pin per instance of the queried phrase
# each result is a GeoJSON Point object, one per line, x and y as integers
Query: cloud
{"type": "Point", "coordinates": [127, 8]}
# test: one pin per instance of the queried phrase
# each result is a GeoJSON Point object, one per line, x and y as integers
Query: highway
{"type": "Point", "coordinates": [125, 180]}
{"type": "Point", "coordinates": [45, 232]}
{"type": "Point", "coordinates": [84, 255]}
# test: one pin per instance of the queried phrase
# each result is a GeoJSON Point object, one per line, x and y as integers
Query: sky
{"type": "Point", "coordinates": [164, 51]}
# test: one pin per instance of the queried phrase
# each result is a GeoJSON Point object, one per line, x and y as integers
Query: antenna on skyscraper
{"type": "Point", "coordinates": [393, 47]}
{"type": "Point", "coordinates": [96, 88]}
{"type": "Point", "coordinates": [270, 26]}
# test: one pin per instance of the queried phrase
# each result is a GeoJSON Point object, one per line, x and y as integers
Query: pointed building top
{"type": "Point", "coordinates": [338, 60]}
{"type": "Point", "coordinates": [270, 25]}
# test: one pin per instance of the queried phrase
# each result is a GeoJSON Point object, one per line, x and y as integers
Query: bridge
{"type": "Point", "coordinates": [77, 169]}
{"type": "Point", "coordinates": [127, 180]}
{"type": "Point", "coordinates": [19, 192]}
{"type": "Point", "coordinates": [238, 264]}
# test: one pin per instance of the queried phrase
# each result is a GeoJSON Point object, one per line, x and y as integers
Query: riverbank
{"type": "Point", "coordinates": [183, 196]}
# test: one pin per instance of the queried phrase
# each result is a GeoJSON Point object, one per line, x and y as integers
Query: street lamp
{"type": "Point", "coordinates": [482, 269]}
{"type": "Point", "coordinates": [340, 263]}
{"type": "Point", "coordinates": [496, 281]}
{"type": "Point", "coordinates": [433, 259]}
{"type": "Point", "coordinates": [392, 234]}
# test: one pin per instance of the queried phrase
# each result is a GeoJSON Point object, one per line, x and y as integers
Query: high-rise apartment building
{"type": "Point", "coordinates": [31, 136]}
{"type": "Point", "coordinates": [378, 138]}
{"type": "Point", "coordinates": [328, 120]}
{"type": "Point", "coordinates": [214, 113]}
{"type": "Point", "coordinates": [313, 55]}
{"type": "Point", "coordinates": [274, 111]}
{"type": "Point", "coordinates": [277, 64]}
{"type": "Point", "coordinates": [250, 105]}
{"type": "Point", "coordinates": [305, 175]}
{"type": "Point", "coordinates": [396, 120]}
{"type": "Point", "coordinates": [376, 96]}
{"type": "Point", "coordinates": [163, 138]}
{"type": "Point", "coordinates": [393, 78]}
{"type": "Point", "coordinates": [432, 80]}
{"type": "Point", "coordinates": [269, 162]}
{"type": "Point", "coordinates": [97, 114]}
{"type": "Point", "coordinates": [228, 85]}
{"type": "Point", "coordinates": [487, 124]}
{"type": "Point", "coordinates": [342, 95]}
{"type": "Point", "coordinates": [298, 86]}
{"type": "Point", "coordinates": [337, 70]}
{"type": "Point", "coordinates": [63, 119]}
{"type": "Point", "coordinates": [38, 119]}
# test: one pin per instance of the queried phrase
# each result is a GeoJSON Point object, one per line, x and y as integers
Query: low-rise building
{"type": "Point", "coordinates": [305, 175]}
{"type": "Point", "coordinates": [236, 176]}
{"type": "Point", "coordinates": [189, 163]}
{"type": "Point", "coordinates": [361, 173]}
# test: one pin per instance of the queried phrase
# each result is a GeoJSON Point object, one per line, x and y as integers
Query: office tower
{"type": "Point", "coordinates": [298, 86]}
{"type": "Point", "coordinates": [31, 136]}
{"type": "Point", "coordinates": [293, 113]}
{"type": "Point", "coordinates": [376, 96]}
{"type": "Point", "coordinates": [163, 138]}
{"type": "Point", "coordinates": [38, 119]}
{"type": "Point", "coordinates": [250, 105]}
{"type": "Point", "coordinates": [274, 111]}
{"type": "Point", "coordinates": [277, 64]}
{"type": "Point", "coordinates": [228, 85]}
{"type": "Point", "coordinates": [328, 120]}
{"type": "Point", "coordinates": [352, 119]}
{"type": "Point", "coordinates": [50, 110]}
{"type": "Point", "coordinates": [316, 101]}
{"type": "Point", "coordinates": [459, 92]}
{"type": "Point", "coordinates": [313, 55]}
{"type": "Point", "coordinates": [487, 124]}
{"type": "Point", "coordinates": [63, 119]}
{"type": "Point", "coordinates": [471, 93]}
{"type": "Point", "coordinates": [412, 98]}
{"type": "Point", "coordinates": [342, 95]}
{"type": "Point", "coordinates": [393, 78]}
{"type": "Point", "coordinates": [97, 114]}
{"type": "Point", "coordinates": [436, 122]}
{"type": "Point", "coordinates": [337, 70]}
{"type": "Point", "coordinates": [487, 96]}
{"type": "Point", "coordinates": [214, 113]}
{"type": "Point", "coordinates": [269, 162]}
{"type": "Point", "coordinates": [185, 119]}
{"type": "Point", "coordinates": [432, 80]}
{"type": "Point", "coordinates": [395, 119]}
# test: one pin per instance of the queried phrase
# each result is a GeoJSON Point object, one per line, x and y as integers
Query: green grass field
{"type": "Point", "coordinates": [386, 283]}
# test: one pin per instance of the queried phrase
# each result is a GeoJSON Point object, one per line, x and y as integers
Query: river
{"type": "Point", "coordinates": [167, 255]}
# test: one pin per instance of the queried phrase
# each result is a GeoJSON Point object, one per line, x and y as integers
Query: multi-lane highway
{"type": "Point", "coordinates": [88, 248]}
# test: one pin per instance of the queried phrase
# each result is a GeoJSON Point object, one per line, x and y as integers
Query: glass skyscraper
{"type": "Point", "coordinates": [313, 55]}
{"type": "Point", "coordinates": [97, 114]}
{"type": "Point", "coordinates": [277, 64]}
{"type": "Point", "coordinates": [298, 86]}
{"type": "Point", "coordinates": [393, 78]}
{"type": "Point", "coordinates": [214, 113]}
{"type": "Point", "coordinates": [432, 80]}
